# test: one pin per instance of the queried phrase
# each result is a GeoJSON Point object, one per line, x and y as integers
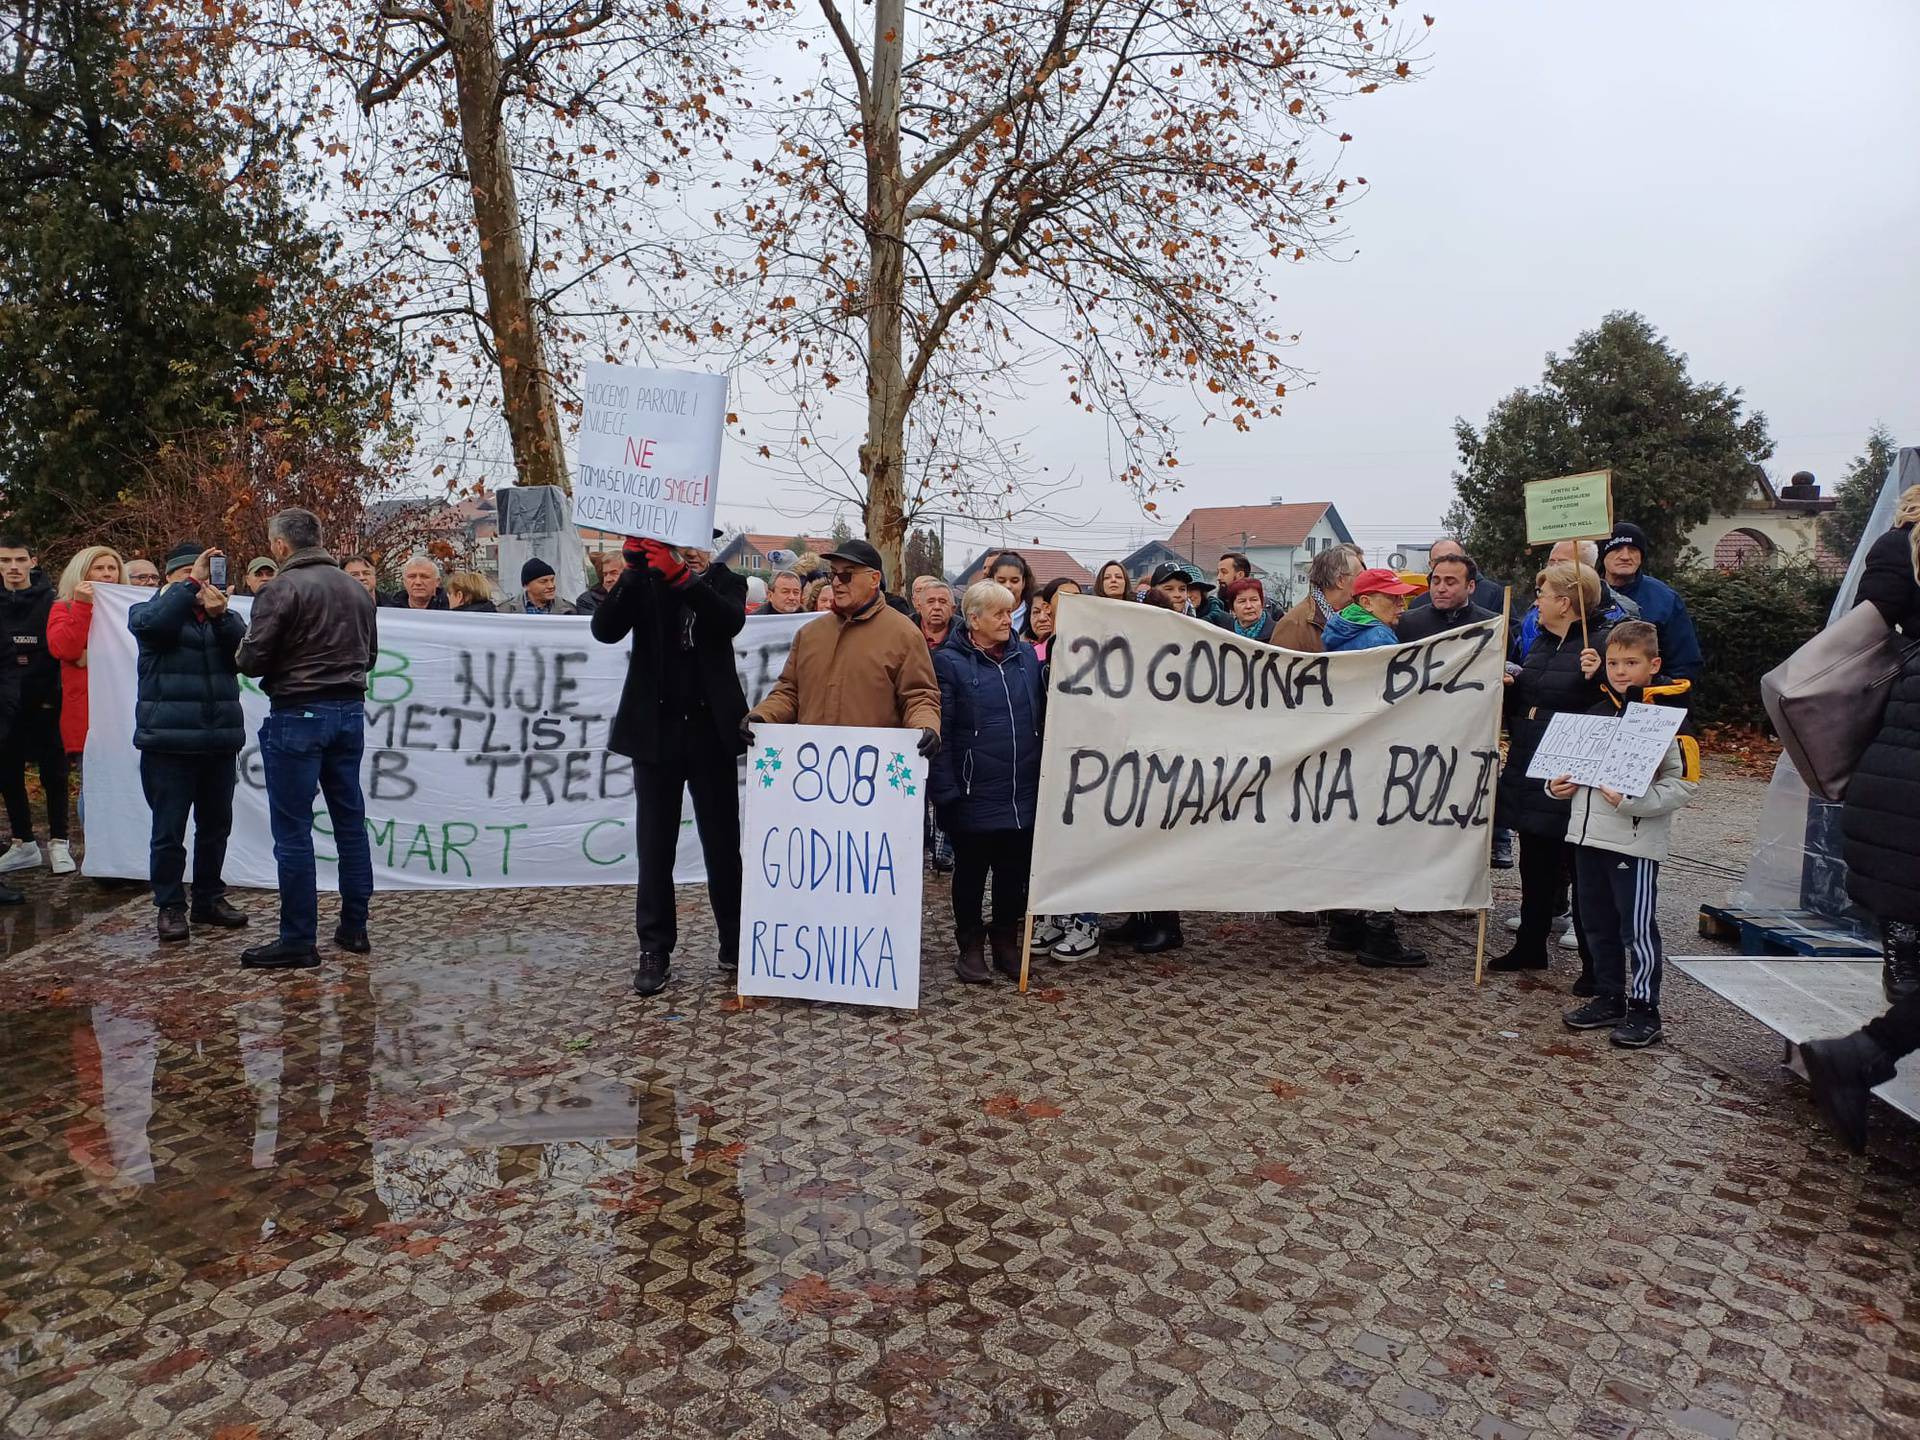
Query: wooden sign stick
{"type": "Point", "coordinates": [1026, 952]}
{"type": "Point", "coordinates": [1480, 945]}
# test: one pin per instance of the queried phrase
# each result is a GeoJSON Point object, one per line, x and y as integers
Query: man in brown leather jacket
{"type": "Point", "coordinates": [312, 641]}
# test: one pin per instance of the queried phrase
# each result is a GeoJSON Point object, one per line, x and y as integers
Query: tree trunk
{"type": "Point", "coordinates": [883, 454]}
{"type": "Point", "coordinates": [526, 388]}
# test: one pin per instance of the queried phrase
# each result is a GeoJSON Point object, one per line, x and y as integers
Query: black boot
{"type": "Point", "coordinates": [971, 967]}
{"type": "Point", "coordinates": [1165, 934]}
{"type": "Point", "coordinates": [1842, 1072]}
{"type": "Point", "coordinates": [1005, 940]}
{"type": "Point", "coordinates": [171, 926]}
{"type": "Point", "coordinates": [1382, 949]}
{"type": "Point", "coordinates": [1521, 957]}
{"type": "Point", "coordinates": [278, 955]}
{"type": "Point", "coordinates": [1900, 972]}
{"type": "Point", "coordinates": [650, 976]}
{"type": "Point", "coordinates": [1129, 930]}
{"type": "Point", "coordinates": [1346, 931]}
{"type": "Point", "coordinates": [218, 913]}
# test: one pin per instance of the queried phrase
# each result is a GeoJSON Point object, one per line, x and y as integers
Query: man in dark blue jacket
{"type": "Point", "coordinates": [1621, 557]}
{"type": "Point", "coordinates": [188, 728]}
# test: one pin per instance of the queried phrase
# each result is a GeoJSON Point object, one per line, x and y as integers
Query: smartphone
{"type": "Point", "coordinates": [217, 571]}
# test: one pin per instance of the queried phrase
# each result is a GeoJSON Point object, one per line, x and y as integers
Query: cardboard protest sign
{"type": "Point", "coordinates": [831, 839]}
{"type": "Point", "coordinates": [486, 760]}
{"type": "Point", "coordinates": [1573, 507]}
{"type": "Point", "coordinates": [1185, 767]}
{"type": "Point", "coordinates": [1619, 752]}
{"type": "Point", "coordinates": [649, 453]}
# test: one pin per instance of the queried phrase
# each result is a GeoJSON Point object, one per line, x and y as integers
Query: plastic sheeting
{"type": "Point", "coordinates": [1797, 864]}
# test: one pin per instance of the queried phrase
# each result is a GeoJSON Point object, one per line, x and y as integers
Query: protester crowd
{"type": "Point", "coordinates": [970, 672]}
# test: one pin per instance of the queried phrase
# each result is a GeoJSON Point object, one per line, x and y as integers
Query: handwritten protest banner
{"type": "Point", "coordinates": [832, 839]}
{"type": "Point", "coordinates": [1620, 752]}
{"type": "Point", "coordinates": [648, 456]}
{"type": "Point", "coordinates": [1573, 507]}
{"type": "Point", "coordinates": [486, 764]}
{"type": "Point", "coordinates": [1186, 767]}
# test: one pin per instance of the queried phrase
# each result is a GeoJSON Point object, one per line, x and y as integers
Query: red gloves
{"type": "Point", "coordinates": [658, 558]}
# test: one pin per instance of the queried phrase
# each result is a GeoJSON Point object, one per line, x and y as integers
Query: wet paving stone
{"type": "Point", "coordinates": [470, 1185]}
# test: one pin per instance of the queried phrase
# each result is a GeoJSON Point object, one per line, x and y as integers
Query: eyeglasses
{"type": "Point", "coordinates": [842, 577]}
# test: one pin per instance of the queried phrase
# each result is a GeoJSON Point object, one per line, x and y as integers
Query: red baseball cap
{"type": "Point", "coordinates": [1382, 582]}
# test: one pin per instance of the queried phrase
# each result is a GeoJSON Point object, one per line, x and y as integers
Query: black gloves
{"type": "Point", "coordinates": [929, 743]}
{"type": "Point", "coordinates": [746, 729]}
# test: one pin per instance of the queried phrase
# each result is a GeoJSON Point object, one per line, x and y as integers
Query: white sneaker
{"type": "Point", "coordinates": [24, 855]}
{"type": "Point", "coordinates": [60, 858]}
{"type": "Point", "coordinates": [1081, 942]}
{"type": "Point", "coordinates": [1569, 940]}
{"type": "Point", "coordinates": [1047, 932]}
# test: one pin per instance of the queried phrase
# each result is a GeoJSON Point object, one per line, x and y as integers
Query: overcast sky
{"type": "Point", "coordinates": [1743, 172]}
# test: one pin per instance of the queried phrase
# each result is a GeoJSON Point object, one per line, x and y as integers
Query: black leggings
{"type": "Point", "coordinates": [51, 757]}
{"type": "Point", "coordinates": [1009, 855]}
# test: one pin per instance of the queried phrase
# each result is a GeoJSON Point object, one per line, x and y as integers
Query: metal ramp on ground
{"type": "Point", "coordinates": [1806, 1000]}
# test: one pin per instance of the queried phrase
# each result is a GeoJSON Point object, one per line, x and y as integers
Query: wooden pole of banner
{"type": "Point", "coordinates": [1026, 952]}
{"type": "Point", "coordinates": [1480, 945]}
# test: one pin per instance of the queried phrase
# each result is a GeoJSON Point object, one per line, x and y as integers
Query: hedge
{"type": "Point", "coordinates": [1750, 619]}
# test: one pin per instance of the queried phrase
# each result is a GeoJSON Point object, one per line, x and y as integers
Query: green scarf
{"type": "Point", "coordinates": [1359, 614]}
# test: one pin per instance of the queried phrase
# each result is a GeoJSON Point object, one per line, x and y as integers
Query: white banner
{"type": "Point", "coordinates": [487, 760]}
{"type": "Point", "coordinates": [649, 453]}
{"type": "Point", "coordinates": [831, 903]}
{"type": "Point", "coordinates": [1187, 768]}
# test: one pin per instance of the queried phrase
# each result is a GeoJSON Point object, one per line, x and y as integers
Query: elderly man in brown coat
{"type": "Point", "coordinates": [1329, 591]}
{"type": "Point", "coordinates": [867, 665]}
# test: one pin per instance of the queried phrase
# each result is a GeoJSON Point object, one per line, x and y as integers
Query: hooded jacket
{"type": "Point", "coordinates": [24, 613]}
{"type": "Point", "coordinates": [1643, 825]}
{"type": "Point", "coordinates": [987, 773]}
{"type": "Point", "coordinates": [1549, 682]}
{"type": "Point", "coordinates": [1662, 607]}
{"type": "Point", "coordinates": [188, 700]}
{"type": "Point", "coordinates": [1355, 628]}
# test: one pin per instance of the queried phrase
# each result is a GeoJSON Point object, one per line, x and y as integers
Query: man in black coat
{"type": "Point", "coordinates": [188, 728]}
{"type": "Point", "coordinates": [679, 721]}
{"type": "Point", "coordinates": [1487, 594]}
{"type": "Point", "coordinates": [1451, 582]}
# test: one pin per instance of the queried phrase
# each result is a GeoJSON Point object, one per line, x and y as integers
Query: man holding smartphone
{"type": "Point", "coordinates": [311, 639]}
{"type": "Point", "coordinates": [188, 728]}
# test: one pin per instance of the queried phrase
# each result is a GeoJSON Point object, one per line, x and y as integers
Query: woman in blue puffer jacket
{"type": "Point", "coordinates": [985, 780]}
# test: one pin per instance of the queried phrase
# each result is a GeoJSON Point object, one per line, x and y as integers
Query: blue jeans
{"type": "Point", "coordinates": [316, 747]}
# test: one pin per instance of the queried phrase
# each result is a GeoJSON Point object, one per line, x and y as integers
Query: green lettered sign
{"type": "Point", "coordinates": [1574, 507]}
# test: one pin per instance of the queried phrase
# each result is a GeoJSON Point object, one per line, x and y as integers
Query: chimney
{"type": "Point", "coordinates": [1277, 500]}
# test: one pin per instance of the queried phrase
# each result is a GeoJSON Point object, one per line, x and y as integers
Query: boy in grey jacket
{"type": "Point", "coordinates": [1620, 843]}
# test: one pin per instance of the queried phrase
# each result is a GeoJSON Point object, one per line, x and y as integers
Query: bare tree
{"type": "Point", "coordinates": [972, 185]}
{"type": "Point", "coordinates": [506, 162]}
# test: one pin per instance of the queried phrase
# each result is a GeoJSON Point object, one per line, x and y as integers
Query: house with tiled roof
{"type": "Point", "coordinates": [1046, 565]}
{"type": "Point", "coordinates": [754, 554]}
{"type": "Point", "coordinates": [1280, 539]}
